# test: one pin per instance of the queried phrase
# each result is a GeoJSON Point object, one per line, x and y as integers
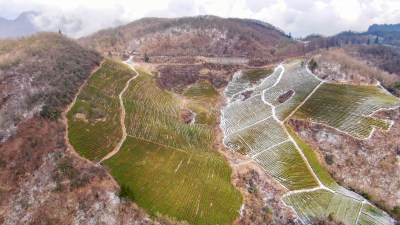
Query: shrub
{"type": "Point", "coordinates": [329, 159]}
{"type": "Point", "coordinates": [126, 191]}
{"type": "Point", "coordinates": [252, 190]}
{"type": "Point", "coordinates": [366, 196]}
{"type": "Point", "coordinates": [20, 171]}
{"type": "Point", "coordinates": [50, 112]}
{"type": "Point", "coordinates": [312, 65]}
{"type": "Point", "coordinates": [3, 163]}
{"type": "Point", "coordinates": [396, 212]}
{"type": "Point", "coordinates": [267, 209]}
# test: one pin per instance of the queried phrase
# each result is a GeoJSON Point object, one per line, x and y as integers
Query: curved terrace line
{"type": "Point", "coordinates": [122, 117]}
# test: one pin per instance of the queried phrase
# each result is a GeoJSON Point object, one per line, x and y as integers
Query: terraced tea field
{"type": "Point", "coordinates": [256, 127]}
{"type": "Point", "coordinates": [94, 127]}
{"type": "Point", "coordinates": [348, 108]}
{"type": "Point", "coordinates": [202, 91]}
{"type": "Point", "coordinates": [177, 183]}
{"type": "Point", "coordinates": [167, 165]}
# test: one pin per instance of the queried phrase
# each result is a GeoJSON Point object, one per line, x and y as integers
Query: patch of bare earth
{"type": "Point", "coordinates": [370, 167]}
{"type": "Point", "coordinates": [43, 182]}
{"type": "Point", "coordinates": [286, 96]}
{"type": "Point", "coordinates": [262, 194]}
{"type": "Point", "coordinates": [172, 76]}
{"type": "Point", "coordinates": [186, 116]}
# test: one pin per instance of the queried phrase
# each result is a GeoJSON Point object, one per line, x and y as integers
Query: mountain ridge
{"type": "Point", "coordinates": [188, 36]}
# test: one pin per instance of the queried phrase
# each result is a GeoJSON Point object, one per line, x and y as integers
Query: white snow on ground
{"type": "Point", "coordinates": [248, 127]}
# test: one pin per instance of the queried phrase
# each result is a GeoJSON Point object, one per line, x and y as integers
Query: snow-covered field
{"type": "Point", "coordinates": [256, 127]}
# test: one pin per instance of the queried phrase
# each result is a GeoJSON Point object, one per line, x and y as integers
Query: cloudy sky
{"type": "Point", "coordinates": [299, 17]}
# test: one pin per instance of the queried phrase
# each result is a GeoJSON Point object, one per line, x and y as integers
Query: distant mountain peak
{"type": "Point", "coordinates": [20, 26]}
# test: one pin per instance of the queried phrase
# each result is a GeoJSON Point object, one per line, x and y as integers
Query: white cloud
{"type": "Point", "coordinates": [82, 17]}
{"type": "Point", "coordinates": [347, 9]}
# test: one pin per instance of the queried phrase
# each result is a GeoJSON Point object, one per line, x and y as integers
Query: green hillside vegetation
{"type": "Point", "coordinates": [373, 215]}
{"type": "Point", "coordinates": [251, 129]}
{"type": "Point", "coordinates": [268, 145]}
{"type": "Point", "coordinates": [200, 98]}
{"type": "Point", "coordinates": [295, 78]}
{"type": "Point", "coordinates": [204, 115]}
{"type": "Point", "coordinates": [164, 165]}
{"type": "Point", "coordinates": [153, 114]}
{"type": "Point", "coordinates": [177, 183]}
{"type": "Point", "coordinates": [94, 121]}
{"type": "Point", "coordinates": [255, 75]}
{"type": "Point", "coordinates": [348, 108]}
{"type": "Point", "coordinates": [312, 159]}
{"type": "Point", "coordinates": [322, 203]}
{"type": "Point", "coordinates": [203, 91]}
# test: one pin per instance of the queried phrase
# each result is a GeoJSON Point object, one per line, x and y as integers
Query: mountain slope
{"type": "Point", "coordinates": [42, 180]}
{"type": "Point", "coordinates": [190, 36]}
{"type": "Point", "coordinates": [158, 161]}
{"type": "Point", "coordinates": [40, 73]}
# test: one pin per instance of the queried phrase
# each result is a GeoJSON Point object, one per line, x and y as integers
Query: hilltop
{"type": "Point", "coordinates": [190, 36]}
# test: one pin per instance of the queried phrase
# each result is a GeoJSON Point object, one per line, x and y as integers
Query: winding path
{"type": "Point", "coordinates": [122, 117]}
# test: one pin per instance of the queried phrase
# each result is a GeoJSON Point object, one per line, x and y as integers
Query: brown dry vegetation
{"type": "Point", "coordinates": [336, 65]}
{"type": "Point", "coordinates": [382, 57]}
{"type": "Point", "coordinates": [40, 73]}
{"type": "Point", "coordinates": [286, 96]}
{"type": "Point", "coordinates": [330, 220]}
{"type": "Point", "coordinates": [180, 76]}
{"type": "Point", "coordinates": [189, 36]}
{"type": "Point", "coordinates": [43, 182]}
{"type": "Point", "coordinates": [180, 40]}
